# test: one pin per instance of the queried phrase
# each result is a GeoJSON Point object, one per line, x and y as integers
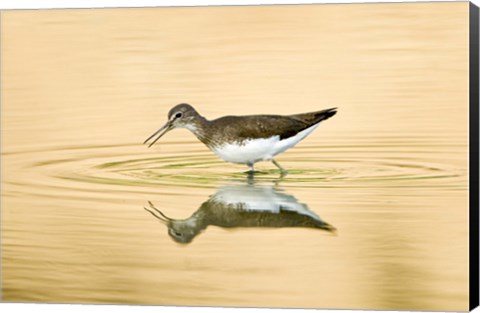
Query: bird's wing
{"type": "Point", "coordinates": [261, 126]}
{"type": "Point", "coordinates": [266, 126]}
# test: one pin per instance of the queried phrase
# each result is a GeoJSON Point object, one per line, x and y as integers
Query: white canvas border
{"type": "Point", "coordinates": [49, 4]}
{"type": "Point", "coordinates": [62, 4]}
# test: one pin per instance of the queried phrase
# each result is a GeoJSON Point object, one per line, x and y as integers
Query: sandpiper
{"type": "Point", "coordinates": [244, 139]}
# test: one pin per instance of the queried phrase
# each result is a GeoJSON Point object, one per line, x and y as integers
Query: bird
{"type": "Point", "coordinates": [245, 139]}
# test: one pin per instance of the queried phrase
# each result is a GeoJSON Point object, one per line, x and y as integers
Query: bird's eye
{"type": "Point", "coordinates": [178, 115]}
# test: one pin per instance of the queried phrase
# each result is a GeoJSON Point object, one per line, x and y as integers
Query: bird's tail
{"type": "Point", "coordinates": [325, 114]}
{"type": "Point", "coordinates": [315, 117]}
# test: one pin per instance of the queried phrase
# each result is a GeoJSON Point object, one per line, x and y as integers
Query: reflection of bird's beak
{"type": "Point", "coordinates": [158, 214]}
{"type": "Point", "coordinates": [162, 131]}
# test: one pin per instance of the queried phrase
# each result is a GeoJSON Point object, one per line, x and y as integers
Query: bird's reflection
{"type": "Point", "coordinates": [242, 206]}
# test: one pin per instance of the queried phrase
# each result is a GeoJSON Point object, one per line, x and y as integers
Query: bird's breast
{"type": "Point", "coordinates": [247, 151]}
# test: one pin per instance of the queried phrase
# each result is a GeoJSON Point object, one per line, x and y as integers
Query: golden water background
{"type": "Point", "coordinates": [82, 89]}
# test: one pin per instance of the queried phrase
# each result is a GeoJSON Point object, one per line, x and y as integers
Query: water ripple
{"type": "Point", "coordinates": [190, 165]}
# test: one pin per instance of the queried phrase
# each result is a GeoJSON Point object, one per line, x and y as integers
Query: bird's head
{"type": "Point", "coordinates": [180, 116]}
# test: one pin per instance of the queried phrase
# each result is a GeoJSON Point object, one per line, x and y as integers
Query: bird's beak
{"type": "Point", "coordinates": [162, 131]}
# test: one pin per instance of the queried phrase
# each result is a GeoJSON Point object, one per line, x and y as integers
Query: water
{"type": "Point", "coordinates": [375, 203]}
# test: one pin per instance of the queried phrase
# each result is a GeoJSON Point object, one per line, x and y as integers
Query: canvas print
{"type": "Point", "coordinates": [282, 156]}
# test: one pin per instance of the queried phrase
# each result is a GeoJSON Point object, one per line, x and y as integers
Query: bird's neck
{"type": "Point", "coordinates": [200, 128]}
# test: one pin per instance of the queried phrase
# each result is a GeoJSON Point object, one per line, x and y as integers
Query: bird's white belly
{"type": "Point", "coordinates": [263, 149]}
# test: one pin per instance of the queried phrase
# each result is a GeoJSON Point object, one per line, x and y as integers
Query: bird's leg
{"type": "Point", "coordinates": [250, 178]}
{"type": "Point", "coordinates": [251, 171]}
{"type": "Point", "coordinates": [282, 170]}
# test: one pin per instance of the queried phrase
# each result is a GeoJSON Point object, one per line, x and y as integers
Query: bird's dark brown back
{"type": "Point", "coordinates": [266, 126]}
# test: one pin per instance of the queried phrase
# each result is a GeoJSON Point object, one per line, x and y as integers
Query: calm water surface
{"type": "Point", "coordinates": [374, 208]}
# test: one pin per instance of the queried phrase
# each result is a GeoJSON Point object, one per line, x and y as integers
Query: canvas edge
{"type": "Point", "coordinates": [474, 156]}
{"type": "Point", "coordinates": [474, 203]}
